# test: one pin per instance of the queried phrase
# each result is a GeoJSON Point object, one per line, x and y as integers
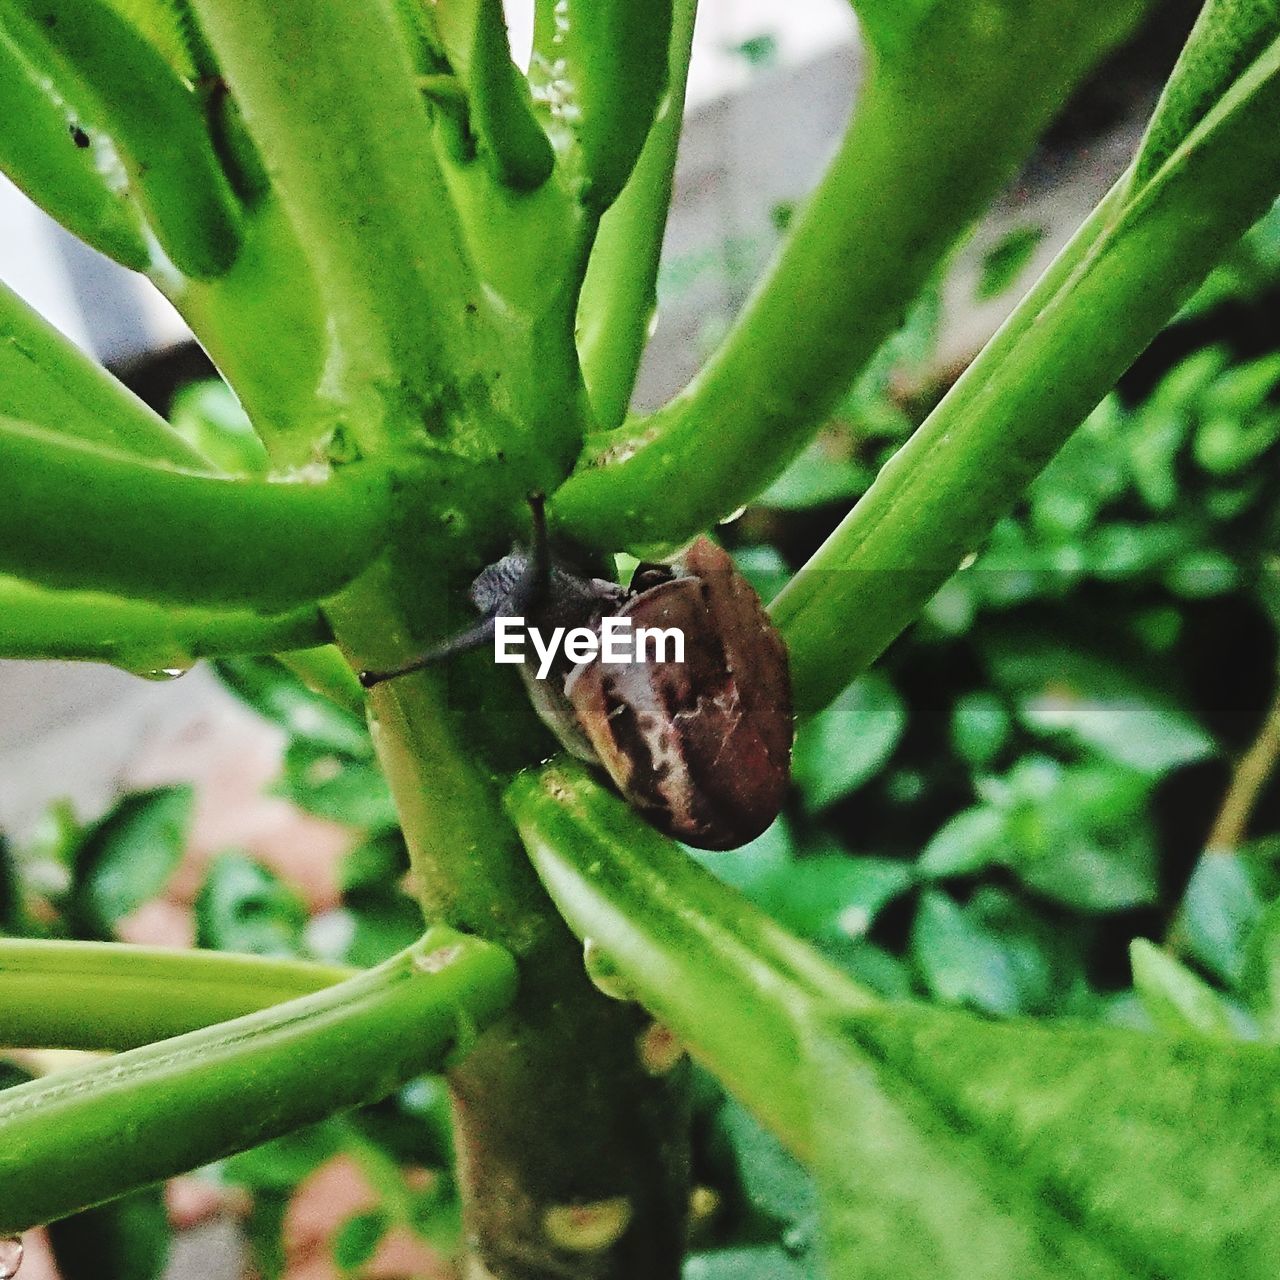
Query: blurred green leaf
{"type": "Point", "coordinates": [1006, 260]}
{"type": "Point", "coordinates": [208, 417]}
{"type": "Point", "coordinates": [126, 858]}
{"type": "Point", "coordinates": [947, 1145]}
{"type": "Point", "coordinates": [357, 1239]}
{"type": "Point", "coordinates": [843, 746]}
{"type": "Point", "coordinates": [277, 694]}
{"type": "Point", "coordinates": [332, 785]}
{"type": "Point", "coordinates": [815, 478]}
{"type": "Point", "coordinates": [979, 727]}
{"type": "Point", "coordinates": [380, 862]}
{"type": "Point", "coordinates": [1220, 909]}
{"type": "Point", "coordinates": [242, 906]}
{"type": "Point", "coordinates": [1098, 700]}
{"type": "Point", "coordinates": [126, 1239]}
{"type": "Point", "coordinates": [764, 568]}
{"type": "Point", "coordinates": [1176, 999]}
{"type": "Point", "coordinates": [968, 842]}
{"type": "Point", "coordinates": [1260, 979]}
{"type": "Point", "coordinates": [761, 1262]}
{"type": "Point", "coordinates": [993, 954]}
{"type": "Point", "coordinates": [834, 894]}
{"type": "Point", "coordinates": [369, 927]}
{"type": "Point", "coordinates": [280, 1165]}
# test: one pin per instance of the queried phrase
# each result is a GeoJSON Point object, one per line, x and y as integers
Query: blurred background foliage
{"type": "Point", "coordinates": [1053, 797]}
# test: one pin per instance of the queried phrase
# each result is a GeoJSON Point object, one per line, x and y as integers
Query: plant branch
{"type": "Point", "coordinates": [729, 982]}
{"type": "Point", "coordinates": [170, 1107]}
{"type": "Point", "coordinates": [64, 179]}
{"type": "Point", "coordinates": [106, 995]}
{"type": "Point", "coordinates": [1111, 290]}
{"type": "Point", "coordinates": [77, 517]}
{"type": "Point", "coordinates": [618, 294]}
{"type": "Point", "coordinates": [328, 95]}
{"type": "Point", "coordinates": [46, 379]}
{"type": "Point", "coordinates": [153, 118]}
{"type": "Point", "coordinates": [138, 636]}
{"type": "Point", "coordinates": [954, 113]}
{"type": "Point", "coordinates": [1252, 773]}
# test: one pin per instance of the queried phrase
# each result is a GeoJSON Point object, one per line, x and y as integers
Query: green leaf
{"type": "Point", "coordinates": [332, 785]}
{"type": "Point", "coordinates": [244, 907]}
{"type": "Point", "coordinates": [1220, 909]}
{"type": "Point", "coordinates": [501, 111]}
{"type": "Point", "coordinates": [1175, 998]}
{"type": "Point", "coordinates": [763, 567]}
{"type": "Point", "coordinates": [599, 69]}
{"type": "Point", "coordinates": [208, 417]}
{"type": "Point", "coordinates": [833, 895]}
{"type": "Point", "coordinates": [280, 1165]}
{"type": "Point", "coordinates": [962, 1149]}
{"type": "Point", "coordinates": [125, 1239]}
{"type": "Point", "coordinates": [763, 1262]}
{"type": "Point", "coordinates": [358, 1238]}
{"type": "Point", "coordinates": [773, 1182]}
{"type": "Point", "coordinates": [127, 857]}
{"type": "Point", "coordinates": [968, 842]}
{"type": "Point", "coordinates": [1260, 981]}
{"type": "Point", "coordinates": [380, 862]}
{"type": "Point", "coordinates": [366, 929]}
{"type": "Point", "coordinates": [1097, 700]}
{"type": "Point", "coordinates": [979, 727]}
{"type": "Point", "coordinates": [844, 746]}
{"type": "Point", "coordinates": [1006, 260]}
{"type": "Point", "coordinates": [156, 123]}
{"type": "Point", "coordinates": [815, 478]}
{"type": "Point", "coordinates": [994, 954]}
{"type": "Point", "coordinates": [54, 158]}
{"type": "Point", "coordinates": [889, 25]}
{"type": "Point", "coordinates": [277, 694]}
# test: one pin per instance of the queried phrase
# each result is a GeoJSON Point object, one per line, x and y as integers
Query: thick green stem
{"type": "Point", "coordinates": [105, 995]}
{"type": "Point", "coordinates": [46, 379]}
{"type": "Point", "coordinates": [88, 626]}
{"type": "Point", "coordinates": [955, 113]}
{"type": "Point", "coordinates": [729, 983]}
{"type": "Point", "coordinates": [328, 94]}
{"type": "Point", "coordinates": [1114, 286]}
{"type": "Point", "coordinates": [448, 739]}
{"type": "Point", "coordinates": [161, 534]}
{"type": "Point", "coordinates": [179, 1104]}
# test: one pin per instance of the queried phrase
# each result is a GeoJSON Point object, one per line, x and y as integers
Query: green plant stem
{"type": "Point", "coordinates": [88, 626]}
{"type": "Point", "coordinates": [155, 121]}
{"type": "Point", "coordinates": [1109, 293]}
{"type": "Point", "coordinates": [556, 1090]}
{"type": "Point", "coordinates": [728, 981]}
{"type": "Point", "coordinates": [157, 1111]}
{"type": "Point", "coordinates": [242, 542]}
{"type": "Point", "coordinates": [329, 97]}
{"type": "Point", "coordinates": [64, 179]}
{"type": "Point", "coordinates": [106, 995]}
{"type": "Point", "coordinates": [954, 113]}
{"type": "Point", "coordinates": [619, 296]}
{"type": "Point", "coordinates": [1249, 778]}
{"type": "Point", "coordinates": [46, 379]}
